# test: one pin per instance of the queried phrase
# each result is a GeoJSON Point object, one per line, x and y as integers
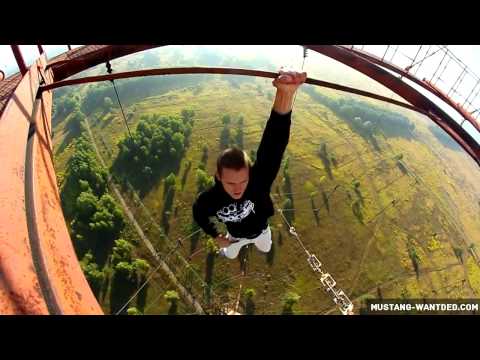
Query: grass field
{"type": "Point", "coordinates": [427, 211]}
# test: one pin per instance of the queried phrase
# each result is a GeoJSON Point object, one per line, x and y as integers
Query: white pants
{"type": "Point", "coordinates": [263, 242]}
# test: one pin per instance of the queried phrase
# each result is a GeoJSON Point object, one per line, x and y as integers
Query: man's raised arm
{"type": "Point", "coordinates": [277, 131]}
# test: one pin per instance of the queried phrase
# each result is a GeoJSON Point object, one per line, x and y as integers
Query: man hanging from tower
{"type": "Point", "coordinates": [240, 197]}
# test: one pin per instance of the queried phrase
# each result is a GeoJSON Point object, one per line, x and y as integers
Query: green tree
{"type": "Point", "coordinates": [412, 252]}
{"type": "Point", "coordinates": [225, 138]}
{"type": "Point", "coordinates": [326, 160]}
{"type": "Point", "coordinates": [96, 221]}
{"type": "Point", "coordinates": [122, 251]}
{"type": "Point", "coordinates": [141, 267]}
{"type": "Point", "coordinates": [249, 303]}
{"type": "Point", "coordinates": [134, 311]}
{"type": "Point", "coordinates": [458, 253]}
{"type": "Point", "coordinates": [289, 301]}
{"type": "Point", "coordinates": [226, 119]}
{"type": "Point", "coordinates": [94, 276]}
{"type": "Point", "coordinates": [86, 206]}
{"type": "Point", "coordinates": [178, 141]}
{"type": "Point", "coordinates": [239, 133]}
{"type": "Point", "coordinates": [84, 185]}
{"type": "Point", "coordinates": [240, 121]}
{"type": "Point", "coordinates": [172, 297]}
{"type": "Point", "coordinates": [204, 154]}
{"type": "Point", "coordinates": [107, 103]}
{"type": "Point", "coordinates": [310, 188]}
{"type": "Point", "coordinates": [83, 165]}
{"type": "Point", "coordinates": [326, 200]}
{"type": "Point", "coordinates": [333, 160]}
{"type": "Point", "coordinates": [170, 182]}
{"type": "Point", "coordinates": [126, 270]}
{"type": "Point", "coordinates": [158, 143]}
{"type": "Point", "coordinates": [69, 105]}
{"type": "Point", "coordinates": [74, 122]}
{"type": "Point", "coordinates": [187, 115]}
{"type": "Point", "coordinates": [108, 220]}
{"type": "Point", "coordinates": [204, 181]}
{"type": "Point", "coordinates": [147, 171]}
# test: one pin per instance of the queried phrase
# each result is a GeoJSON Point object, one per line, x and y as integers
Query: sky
{"type": "Point", "coordinates": [291, 56]}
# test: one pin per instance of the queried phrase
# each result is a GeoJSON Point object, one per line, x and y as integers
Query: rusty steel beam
{"type": "Point", "coordinates": [213, 70]}
{"type": "Point", "coordinates": [374, 71]}
{"type": "Point", "coordinates": [39, 271]}
{"type": "Point", "coordinates": [19, 58]}
{"type": "Point", "coordinates": [68, 287]}
{"type": "Point", "coordinates": [64, 69]}
{"type": "Point", "coordinates": [427, 85]}
{"type": "Point", "coordinates": [20, 290]}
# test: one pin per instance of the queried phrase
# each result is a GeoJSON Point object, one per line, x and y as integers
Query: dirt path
{"type": "Point", "coordinates": [163, 265]}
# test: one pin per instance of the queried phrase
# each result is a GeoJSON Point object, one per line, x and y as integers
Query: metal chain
{"type": "Point", "coordinates": [328, 282]}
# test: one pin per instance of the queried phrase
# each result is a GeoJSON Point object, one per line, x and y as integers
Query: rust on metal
{"type": "Point", "coordinates": [213, 70]}
{"type": "Point", "coordinates": [68, 286]}
{"type": "Point", "coordinates": [82, 58]}
{"type": "Point", "coordinates": [39, 271]}
{"type": "Point", "coordinates": [19, 287]}
{"type": "Point", "coordinates": [7, 88]}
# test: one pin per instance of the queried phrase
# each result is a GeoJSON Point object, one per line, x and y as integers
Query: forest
{"type": "Point", "coordinates": [362, 201]}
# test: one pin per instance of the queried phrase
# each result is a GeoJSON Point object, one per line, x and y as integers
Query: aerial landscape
{"type": "Point", "coordinates": [385, 199]}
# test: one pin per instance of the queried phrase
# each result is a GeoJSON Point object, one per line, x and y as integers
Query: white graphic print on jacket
{"type": "Point", "coordinates": [231, 213]}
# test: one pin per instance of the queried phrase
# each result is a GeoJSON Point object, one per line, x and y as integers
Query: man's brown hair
{"type": "Point", "coordinates": [233, 158]}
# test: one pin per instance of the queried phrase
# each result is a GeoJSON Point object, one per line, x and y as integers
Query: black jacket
{"type": "Point", "coordinates": [248, 216]}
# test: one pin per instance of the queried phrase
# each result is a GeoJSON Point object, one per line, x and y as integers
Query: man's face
{"type": "Point", "coordinates": [234, 181]}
